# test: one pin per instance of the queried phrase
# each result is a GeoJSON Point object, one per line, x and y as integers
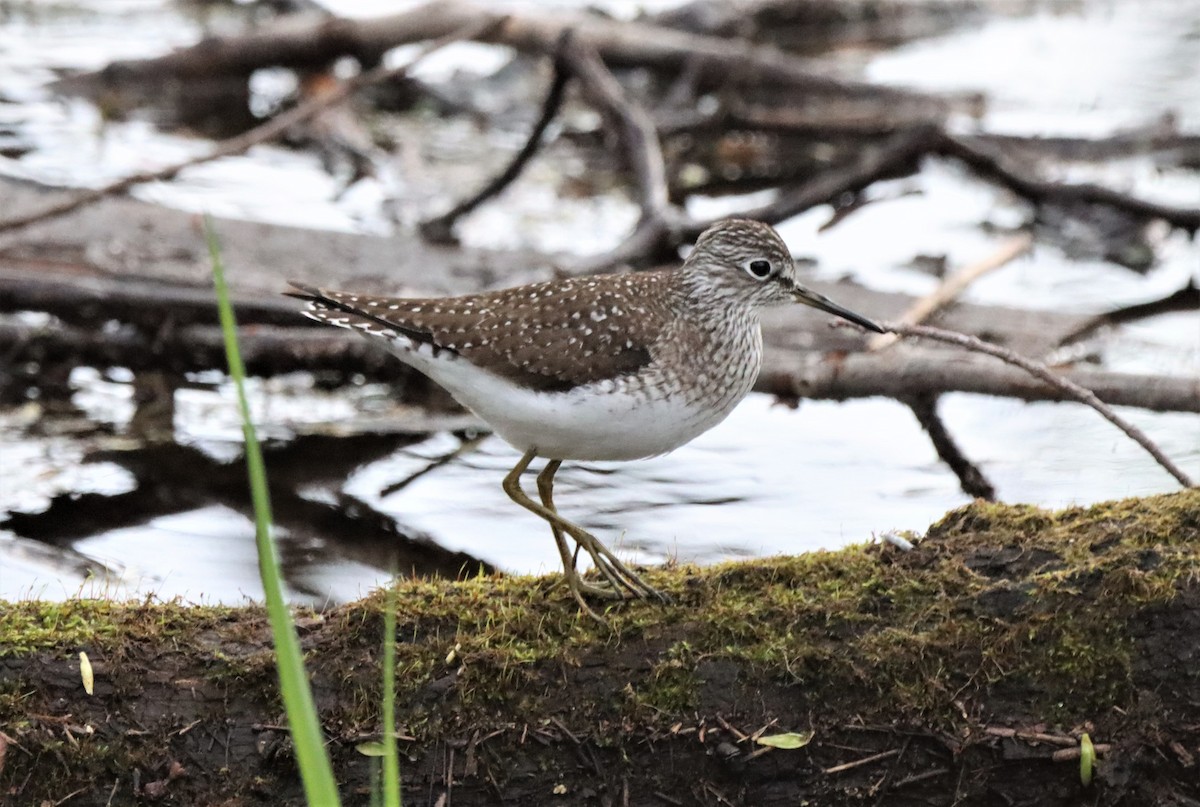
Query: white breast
{"type": "Point", "coordinates": [608, 420]}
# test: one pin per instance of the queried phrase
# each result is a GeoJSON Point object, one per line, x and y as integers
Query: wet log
{"type": "Point", "coordinates": [963, 671]}
{"type": "Point", "coordinates": [920, 371]}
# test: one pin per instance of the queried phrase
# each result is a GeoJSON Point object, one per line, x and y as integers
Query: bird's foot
{"type": "Point", "coordinates": [620, 582]}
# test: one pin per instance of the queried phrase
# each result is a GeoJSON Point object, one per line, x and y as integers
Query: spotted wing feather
{"type": "Point", "coordinates": [547, 336]}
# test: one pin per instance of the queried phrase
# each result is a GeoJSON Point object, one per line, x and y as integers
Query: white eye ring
{"type": "Point", "coordinates": [759, 268]}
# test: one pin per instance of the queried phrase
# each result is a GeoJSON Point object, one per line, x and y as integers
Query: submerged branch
{"type": "Point", "coordinates": [970, 477]}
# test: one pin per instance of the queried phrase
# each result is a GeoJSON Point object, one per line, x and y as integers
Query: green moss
{"type": "Point", "coordinates": [80, 624]}
{"type": "Point", "coordinates": [990, 598]}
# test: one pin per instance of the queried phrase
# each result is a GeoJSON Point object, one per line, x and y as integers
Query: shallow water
{"type": "Point", "coordinates": [769, 479]}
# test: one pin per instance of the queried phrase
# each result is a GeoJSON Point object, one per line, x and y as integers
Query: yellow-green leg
{"type": "Point", "coordinates": [624, 582]}
{"type": "Point", "coordinates": [577, 586]}
{"type": "Point", "coordinates": [545, 486]}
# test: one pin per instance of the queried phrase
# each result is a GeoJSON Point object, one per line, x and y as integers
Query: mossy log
{"type": "Point", "coordinates": [962, 672]}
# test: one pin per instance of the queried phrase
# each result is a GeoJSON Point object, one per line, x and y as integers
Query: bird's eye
{"type": "Point", "coordinates": [759, 268]}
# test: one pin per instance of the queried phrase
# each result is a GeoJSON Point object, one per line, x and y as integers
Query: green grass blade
{"type": "Point", "coordinates": [391, 760]}
{"type": "Point", "coordinates": [320, 787]}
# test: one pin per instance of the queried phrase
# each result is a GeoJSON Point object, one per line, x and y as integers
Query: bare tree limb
{"type": "Point", "coordinates": [1184, 299]}
{"type": "Point", "coordinates": [316, 40]}
{"type": "Point", "coordinates": [896, 156]}
{"type": "Point", "coordinates": [905, 371]}
{"type": "Point", "coordinates": [87, 299]}
{"type": "Point", "coordinates": [270, 350]}
{"type": "Point", "coordinates": [243, 142]}
{"type": "Point", "coordinates": [879, 123]}
{"type": "Point", "coordinates": [1041, 371]}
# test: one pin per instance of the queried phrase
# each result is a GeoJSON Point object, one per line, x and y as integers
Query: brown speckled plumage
{"type": "Point", "coordinates": [561, 334]}
{"type": "Point", "coordinates": [547, 336]}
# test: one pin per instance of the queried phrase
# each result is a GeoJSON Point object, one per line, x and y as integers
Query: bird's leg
{"type": "Point", "coordinates": [512, 486]}
{"type": "Point", "coordinates": [626, 578]}
{"type": "Point", "coordinates": [545, 486]}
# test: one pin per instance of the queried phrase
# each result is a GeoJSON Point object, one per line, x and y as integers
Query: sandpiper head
{"type": "Point", "coordinates": [747, 261]}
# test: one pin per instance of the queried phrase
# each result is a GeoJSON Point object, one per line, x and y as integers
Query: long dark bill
{"type": "Point", "coordinates": [820, 301]}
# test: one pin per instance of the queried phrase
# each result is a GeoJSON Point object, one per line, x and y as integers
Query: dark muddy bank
{"type": "Point", "coordinates": [961, 672]}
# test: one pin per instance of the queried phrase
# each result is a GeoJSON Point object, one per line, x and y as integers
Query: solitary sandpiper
{"type": "Point", "coordinates": [611, 367]}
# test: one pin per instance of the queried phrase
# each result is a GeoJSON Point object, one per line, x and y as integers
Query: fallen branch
{"type": "Point", "coordinates": [312, 40]}
{"type": "Point", "coordinates": [1184, 299]}
{"type": "Point", "coordinates": [1041, 371]}
{"type": "Point", "coordinates": [268, 350]}
{"type": "Point", "coordinates": [271, 350]}
{"type": "Point", "coordinates": [858, 763]}
{"type": "Point", "coordinates": [85, 298]}
{"type": "Point", "coordinates": [874, 124]}
{"type": "Point", "coordinates": [896, 156]}
{"type": "Point", "coordinates": [897, 374]}
{"type": "Point", "coordinates": [243, 142]}
{"type": "Point", "coordinates": [833, 123]}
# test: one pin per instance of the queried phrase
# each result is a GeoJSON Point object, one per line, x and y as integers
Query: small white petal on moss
{"type": "Point", "coordinates": [85, 672]}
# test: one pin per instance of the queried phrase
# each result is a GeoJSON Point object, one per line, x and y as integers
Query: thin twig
{"type": "Point", "coordinates": [845, 766]}
{"type": "Point", "coordinates": [438, 229]}
{"type": "Point", "coordinates": [953, 286]}
{"type": "Point", "coordinates": [259, 134]}
{"type": "Point", "coordinates": [1008, 733]}
{"type": "Point", "coordinates": [1069, 754]}
{"type": "Point", "coordinates": [1044, 373]}
{"type": "Point", "coordinates": [886, 781]}
{"type": "Point", "coordinates": [920, 777]}
{"type": "Point", "coordinates": [725, 724]}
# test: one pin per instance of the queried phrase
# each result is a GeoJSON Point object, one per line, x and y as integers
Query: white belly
{"type": "Point", "coordinates": [612, 426]}
{"type": "Point", "coordinates": [599, 422]}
